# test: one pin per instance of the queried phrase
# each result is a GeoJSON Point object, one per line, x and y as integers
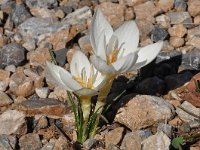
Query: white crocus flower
{"type": "Point", "coordinates": [117, 51]}
{"type": "Point", "coordinates": [84, 79]}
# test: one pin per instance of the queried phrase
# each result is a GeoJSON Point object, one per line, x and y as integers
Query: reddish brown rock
{"type": "Point", "coordinates": [84, 43]}
{"type": "Point", "coordinates": [194, 41]}
{"type": "Point", "coordinates": [113, 12]}
{"type": "Point", "coordinates": [147, 110]}
{"type": "Point", "coordinates": [197, 20]}
{"type": "Point", "coordinates": [117, 133]}
{"type": "Point", "coordinates": [193, 7]}
{"type": "Point", "coordinates": [5, 99]}
{"type": "Point", "coordinates": [193, 96]}
{"type": "Point", "coordinates": [166, 5]}
{"type": "Point", "coordinates": [149, 13]}
{"type": "Point", "coordinates": [163, 20]}
{"type": "Point", "coordinates": [129, 13]}
{"type": "Point", "coordinates": [49, 107]}
{"type": "Point", "coordinates": [176, 41]}
{"type": "Point", "coordinates": [177, 30]}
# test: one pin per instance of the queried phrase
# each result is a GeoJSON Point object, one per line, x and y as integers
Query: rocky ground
{"type": "Point", "coordinates": [158, 105]}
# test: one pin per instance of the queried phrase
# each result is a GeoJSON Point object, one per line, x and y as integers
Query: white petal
{"type": "Point", "coordinates": [86, 91]}
{"type": "Point", "coordinates": [149, 53]}
{"type": "Point", "coordinates": [101, 47]}
{"type": "Point", "coordinates": [79, 61]}
{"type": "Point", "coordinates": [101, 65]}
{"type": "Point", "coordinates": [67, 79]}
{"type": "Point", "coordinates": [100, 27]}
{"type": "Point", "coordinates": [128, 38]}
{"type": "Point", "coordinates": [112, 45]}
{"type": "Point", "coordinates": [125, 63]}
{"type": "Point", "coordinates": [52, 74]}
{"type": "Point", "coordinates": [100, 81]}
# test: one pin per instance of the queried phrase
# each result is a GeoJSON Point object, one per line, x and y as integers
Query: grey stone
{"type": "Point", "coordinates": [46, 3]}
{"type": "Point", "coordinates": [30, 141]}
{"type": "Point", "coordinates": [165, 128]}
{"type": "Point", "coordinates": [89, 143]}
{"type": "Point", "coordinates": [159, 141]}
{"type": "Point", "coordinates": [61, 56]}
{"type": "Point", "coordinates": [12, 54]}
{"type": "Point", "coordinates": [177, 80]}
{"type": "Point", "coordinates": [7, 142]}
{"type": "Point", "coordinates": [7, 6]}
{"type": "Point", "coordinates": [144, 134]}
{"type": "Point", "coordinates": [151, 86]}
{"type": "Point", "coordinates": [180, 17]}
{"type": "Point", "coordinates": [186, 116]}
{"type": "Point", "coordinates": [40, 28]}
{"type": "Point", "coordinates": [180, 5]}
{"type": "Point", "coordinates": [48, 146]}
{"type": "Point", "coordinates": [158, 34]}
{"type": "Point", "coordinates": [42, 92]}
{"type": "Point", "coordinates": [11, 121]}
{"type": "Point", "coordinates": [19, 14]}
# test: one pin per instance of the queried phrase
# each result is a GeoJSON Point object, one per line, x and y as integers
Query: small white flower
{"type": "Point", "coordinates": [117, 51]}
{"type": "Point", "coordinates": [84, 79]}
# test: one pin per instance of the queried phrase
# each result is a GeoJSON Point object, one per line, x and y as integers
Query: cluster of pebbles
{"type": "Point", "coordinates": [162, 102]}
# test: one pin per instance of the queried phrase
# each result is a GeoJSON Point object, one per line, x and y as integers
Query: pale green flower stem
{"type": "Point", "coordinates": [86, 108]}
{"type": "Point", "coordinates": [101, 101]}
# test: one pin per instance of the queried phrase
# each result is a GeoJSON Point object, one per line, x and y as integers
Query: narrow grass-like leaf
{"type": "Point", "coordinates": [53, 59]}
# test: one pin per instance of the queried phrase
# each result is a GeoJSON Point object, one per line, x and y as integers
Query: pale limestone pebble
{"type": "Point", "coordinates": [5, 99]}
{"type": "Point", "coordinates": [163, 21]}
{"type": "Point", "coordinates": [147, 110]}
{"type": "Point", "coordinates": [176, 41]}
{"type": "Point", "coordinates": [117, 133]}
{"type": "Point", "coordinates": [159, 141]}
{"type": "Point", "coordinates": [113, 12]}
{"type": "Point", "coordinates": [42, 92]}
{"type": "Point", "coordinates": [197, 20]}
{"type": "Point", "coordinates": [129, 13]}
{"type": "Point", "coordinates": [11, 122]}
{"type": "Point", "coordinates": [193, 7]}
{"type": "Point", "coordinates": [177, 30]}
{"type": "Point", "coordinates": [165, 5]}
{"type": "Point", "coordinates": [150, 11]}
